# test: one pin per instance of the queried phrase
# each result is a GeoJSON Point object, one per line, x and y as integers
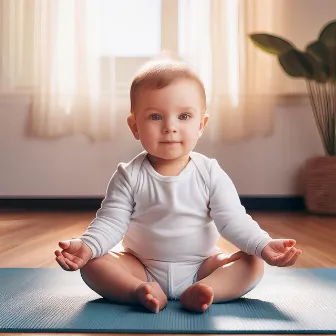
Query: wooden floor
{"type": "Point", "coordinates": [29, 239]}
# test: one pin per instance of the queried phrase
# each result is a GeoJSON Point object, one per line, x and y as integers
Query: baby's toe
{"type": "Point", "coordinates": [197, 298]}
{"type": "Point", "coordinates": [153, 305]}
{"type": "Point", "coordinates": [146, 298]}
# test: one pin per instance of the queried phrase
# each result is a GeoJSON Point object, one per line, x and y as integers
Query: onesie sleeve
{"type": "Point", "coordinates": [113, 217]}
{"type": "Point", "coordinates": [230, 217]}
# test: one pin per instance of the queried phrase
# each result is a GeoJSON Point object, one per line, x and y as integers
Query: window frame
{"type": "Point", "coordinates": [169, 41]}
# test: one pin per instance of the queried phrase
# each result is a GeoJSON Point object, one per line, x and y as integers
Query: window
{"type": "Point", "coordinates": [135, 31]}
{"type": "Point", "coordinates": [131, 28]}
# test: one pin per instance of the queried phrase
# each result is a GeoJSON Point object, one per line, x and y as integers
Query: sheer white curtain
{"type": "Point", "coordinates": [72, 86]}
{"type": "Point", "coordinates": [241, 81]}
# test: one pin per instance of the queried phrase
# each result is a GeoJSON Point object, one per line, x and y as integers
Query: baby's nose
{"type": "Point", "coordinates": [169, 126]}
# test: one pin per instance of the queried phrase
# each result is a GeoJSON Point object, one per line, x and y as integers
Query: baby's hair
{"type": "Point", "coordinates": [159, 73]}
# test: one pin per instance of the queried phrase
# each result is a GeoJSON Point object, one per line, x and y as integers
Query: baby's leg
{"type": "Point", "coordinates": [121, 277]}
{"type": "Point", "coordinates": [223, 283]}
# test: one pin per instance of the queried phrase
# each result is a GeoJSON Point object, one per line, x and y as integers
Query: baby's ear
{"type": "Point", "coordinates": [132, 125]}
{"type": "Point", "coordinates": [203, 123]}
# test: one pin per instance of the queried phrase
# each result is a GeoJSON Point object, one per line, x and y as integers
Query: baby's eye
{"type": "Point", "coordinates": [184, 116]}
{"type": "Point", "coordinates": [155, 117]}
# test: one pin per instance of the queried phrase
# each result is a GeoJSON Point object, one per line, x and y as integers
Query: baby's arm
{"type": "Point", "coordinates": [112, 219]}
{"type": "Point", "coordinates": [230, 217]}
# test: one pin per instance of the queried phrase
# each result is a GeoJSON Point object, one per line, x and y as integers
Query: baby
{"type": "Point", "coordinates": [169, 206]}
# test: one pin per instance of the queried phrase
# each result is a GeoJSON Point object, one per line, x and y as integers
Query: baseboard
{"type": "Point", "coordinates": [273, 203]}
{"type": "Point", "coordinates": [251, 203]}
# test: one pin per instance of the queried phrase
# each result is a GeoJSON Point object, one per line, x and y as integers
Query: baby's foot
{"type": "Point", "coordinates": [197, 297]}
{"type": "Point", "coordinates": [151, 296]}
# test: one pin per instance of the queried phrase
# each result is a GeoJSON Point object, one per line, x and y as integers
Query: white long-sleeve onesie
{"type": "Point", "coordinates": [173, 218]}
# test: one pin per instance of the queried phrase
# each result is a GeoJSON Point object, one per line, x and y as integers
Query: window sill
{"type": "Point", "coordinates": [297, 99]}
{"type": "Point", "coordinates": [23, 97]}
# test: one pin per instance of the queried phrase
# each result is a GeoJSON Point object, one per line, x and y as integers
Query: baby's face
{"type": "Point", "coordinates": [169, 121]}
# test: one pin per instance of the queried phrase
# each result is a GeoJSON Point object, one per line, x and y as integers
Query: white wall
{"type": "Point", "coordinates": [75, 167]}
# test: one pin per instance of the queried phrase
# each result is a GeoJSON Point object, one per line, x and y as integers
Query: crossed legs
{"type": "Point", "coordinates": [121, 277]}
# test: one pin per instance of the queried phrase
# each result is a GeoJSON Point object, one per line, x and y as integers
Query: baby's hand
{"type": "Point", "coordinates": [75, 254]}
{"type": "Point", "coordinates": [280, 252]}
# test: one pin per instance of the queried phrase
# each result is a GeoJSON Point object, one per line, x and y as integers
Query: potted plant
{"type": "Point", "coordinates": [317, 66]}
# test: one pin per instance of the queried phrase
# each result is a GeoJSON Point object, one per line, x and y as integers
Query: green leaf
{"type": "Point", "coordinates": [296, 64]}
{"type": "Point", "coordinates": [319, 73]}
{"type": "Point", "coordinates": [318, 50]}
{"type": "Point", "coordinates": [271, 43]}
{"type": "Point", "coordinates": [328, 34]}
{"type": "Point", "coordinates": [332, 61]}
{"type": "Point", "coordinates": [321, 54]}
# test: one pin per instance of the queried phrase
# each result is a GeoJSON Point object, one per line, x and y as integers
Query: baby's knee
{"type": "Point", "coordinates": [90, 267]}
{"type": "Point", "coordinates": [255, 272]}
{"type": "Point", "coordinates": [255, 265]}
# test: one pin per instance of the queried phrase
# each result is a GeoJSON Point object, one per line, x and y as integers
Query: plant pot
{"type": "Point", "coordinates": [320, 185]}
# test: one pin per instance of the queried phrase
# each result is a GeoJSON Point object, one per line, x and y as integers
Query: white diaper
{"type": "Point", "coordinates": [173, 277]}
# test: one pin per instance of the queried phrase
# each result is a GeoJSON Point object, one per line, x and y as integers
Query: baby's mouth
{"type": "Point", "coordinates": [170, 142]}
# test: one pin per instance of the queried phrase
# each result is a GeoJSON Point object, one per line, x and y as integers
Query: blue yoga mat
{"type": "Point", "coordinates": [287, 300]}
